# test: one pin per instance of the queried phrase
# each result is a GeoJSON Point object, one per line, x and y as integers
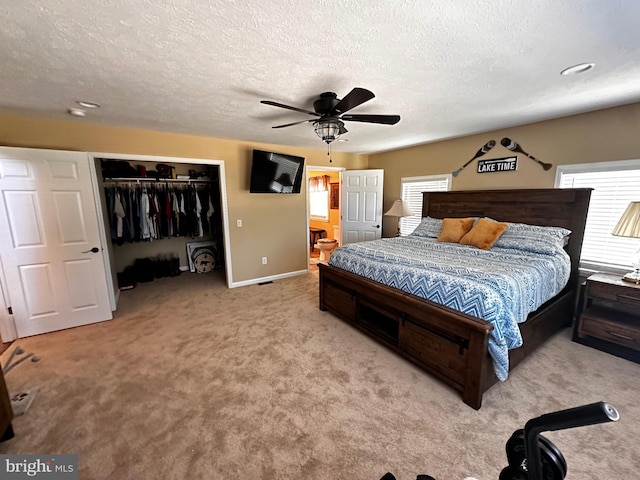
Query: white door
{"type": "Point", "coordinates": [361, 205]}
{"type": "Point", "coordinates": [49, 241]}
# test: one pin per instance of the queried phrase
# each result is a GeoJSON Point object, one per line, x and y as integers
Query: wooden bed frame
{"type": "Point", "coordinates": [447, 343]}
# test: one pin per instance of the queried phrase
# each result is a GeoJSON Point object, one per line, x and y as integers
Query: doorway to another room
{"type": "Point", "coordinates": [323, 187]}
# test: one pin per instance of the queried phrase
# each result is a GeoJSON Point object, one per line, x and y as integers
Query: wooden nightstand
{"type": "Point", "coordinates": [610, 318]}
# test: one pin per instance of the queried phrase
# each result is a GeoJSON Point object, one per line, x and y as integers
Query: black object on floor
{"type": "Point", "coordinates": [8, 434]}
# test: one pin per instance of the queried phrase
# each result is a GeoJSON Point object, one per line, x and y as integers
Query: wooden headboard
{"type": "Point", "coordinates": [561, 207]}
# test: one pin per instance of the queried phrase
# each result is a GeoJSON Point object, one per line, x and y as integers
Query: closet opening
{"type": "Point", "coordinates": [161, 219]}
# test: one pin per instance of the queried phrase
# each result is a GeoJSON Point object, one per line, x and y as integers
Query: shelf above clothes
{"type": "Point", "coordinates": [158, 180]}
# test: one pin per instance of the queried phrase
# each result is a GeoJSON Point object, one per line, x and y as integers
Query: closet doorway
{"type": "Point", "coordinates": [324, 209]}
{"type": "Point", "coordinates": [190, 231]}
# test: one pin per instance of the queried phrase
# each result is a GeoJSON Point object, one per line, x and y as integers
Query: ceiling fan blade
{"type": "Point", "coordinates": [384, 119]}
{"type": "Point", "coordinates": [355, 97]}
{"type": "Point", "coordinates": [295, 109]}
{"type": "Point", "coordinates": [342, 130]}
{"type": "Point", "coordinates": [294, 123]}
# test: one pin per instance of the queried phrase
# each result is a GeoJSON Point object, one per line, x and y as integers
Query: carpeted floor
{"type": "Point", "coordinates": [192, 380]}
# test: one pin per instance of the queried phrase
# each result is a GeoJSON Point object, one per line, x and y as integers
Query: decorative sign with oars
{"type": "Point", "coordinates": [509, 145]}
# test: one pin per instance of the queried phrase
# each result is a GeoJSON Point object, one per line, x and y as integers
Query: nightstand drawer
{"type": "Point", "coordinates": [614, 332]}
{"type": "Point", "coordinates": [627, 296]}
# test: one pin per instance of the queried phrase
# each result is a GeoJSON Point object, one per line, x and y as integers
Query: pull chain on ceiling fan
{"type": "Point", "coordinates": [331, 112]}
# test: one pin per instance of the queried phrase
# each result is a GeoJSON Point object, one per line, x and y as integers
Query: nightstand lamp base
{"type": "Point", "coordinates": [633, 277]}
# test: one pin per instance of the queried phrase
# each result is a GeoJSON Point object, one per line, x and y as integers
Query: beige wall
{"type": "Point", "coordinates": [605, 135]}
{"type": "Point", "coordinates": [273, 225]}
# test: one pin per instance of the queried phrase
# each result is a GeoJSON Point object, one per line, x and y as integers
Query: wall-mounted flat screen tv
{"type": "Point", "coordinates": [275, 172]}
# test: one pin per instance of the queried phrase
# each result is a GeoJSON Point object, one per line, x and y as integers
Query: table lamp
{"type": "Point", "coordinates": [629, 226]}
{"type": "Point", "coordinates": [399, 209]}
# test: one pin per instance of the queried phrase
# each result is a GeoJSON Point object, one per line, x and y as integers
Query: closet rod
{"type": "Point", "coordinates": [158, 180]}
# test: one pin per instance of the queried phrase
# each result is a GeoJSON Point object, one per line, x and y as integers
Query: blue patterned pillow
{"type": "Point", "coordinates": [428, 227]}
{"type": "Point", "coordinates": [529, 244]}
{"type": "Point", "coordinates": [533, 238]}
{"type": "Point", "coordinates": [558, 233]}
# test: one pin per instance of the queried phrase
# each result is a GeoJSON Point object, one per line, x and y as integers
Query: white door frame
{"type": "Point", "coordinates": [162, 159]}
{"type": "Point", "coordinates": [306, 175]}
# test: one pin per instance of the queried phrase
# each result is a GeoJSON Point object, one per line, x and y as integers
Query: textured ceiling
{"type": "Point", "coordinates": [201, 67]}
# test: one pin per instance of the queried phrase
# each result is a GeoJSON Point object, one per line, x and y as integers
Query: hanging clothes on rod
{"type": "Point", "coordinates": [147, 212]}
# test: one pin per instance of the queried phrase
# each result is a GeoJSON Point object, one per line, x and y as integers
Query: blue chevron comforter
{"type": "Point", "coordinates": [501, 285]}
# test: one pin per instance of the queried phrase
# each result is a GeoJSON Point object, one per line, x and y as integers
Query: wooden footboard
{"type": "Point", "coordinates": [446, 343]}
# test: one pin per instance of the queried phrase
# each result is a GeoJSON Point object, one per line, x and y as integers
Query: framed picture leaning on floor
{"type": "Point", "coordinates": [202, 256]}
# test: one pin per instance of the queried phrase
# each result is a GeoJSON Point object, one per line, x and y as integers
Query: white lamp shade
{"type": "Point", "coordinates": [629, 223]}
{"type": "Point", "coordinates": [399, 209]}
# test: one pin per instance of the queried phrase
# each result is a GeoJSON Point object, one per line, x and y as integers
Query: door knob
{"type": "Point", "coordinates": [377, 226]}
{"type": "Point", "coordinates": [93, 250]}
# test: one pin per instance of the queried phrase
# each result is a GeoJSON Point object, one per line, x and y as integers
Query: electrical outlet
{"type": "Point", "coordinates": [264, 260]}
{"type": "Point", "coordinates": [239, 223]}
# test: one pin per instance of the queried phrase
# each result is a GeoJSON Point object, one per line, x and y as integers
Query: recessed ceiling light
{"type": "Point", "coordinates": [77, 112]}
{"type": "Point", "coordinates": [577, 69]}
{"type": "Point", "coordinates": [84, 104]}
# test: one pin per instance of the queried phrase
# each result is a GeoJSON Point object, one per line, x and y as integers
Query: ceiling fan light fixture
{"type": "Point", "coordinates": [328, 129]}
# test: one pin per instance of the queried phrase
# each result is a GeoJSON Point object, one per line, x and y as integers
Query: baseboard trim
{"type": "Point", "coordinates": [272, 278]}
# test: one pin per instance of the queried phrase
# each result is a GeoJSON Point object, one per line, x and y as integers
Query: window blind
{"type": "Point", "coordinates": [613, 190]}
{"type": "Point", "coordinates": [411, 189]}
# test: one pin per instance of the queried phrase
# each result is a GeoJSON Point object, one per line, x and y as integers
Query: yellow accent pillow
{"type": "Point", "coordinates": [453, 229]}
{"type": "Point", "coordinates": [484, 233]}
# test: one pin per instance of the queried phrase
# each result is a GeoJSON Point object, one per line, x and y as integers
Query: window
{"type": "Point", "coordinates": [319, 198]}
{"type": "Point", "coordinates": [615, 184]}
{"type": "Point", "coordinates": [411, 189]}
{"type": "Point", "coordinates": [319, 206]}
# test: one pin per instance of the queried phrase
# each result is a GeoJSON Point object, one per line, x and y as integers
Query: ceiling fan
{"type": "Point", "coordinates": [331, 113]}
